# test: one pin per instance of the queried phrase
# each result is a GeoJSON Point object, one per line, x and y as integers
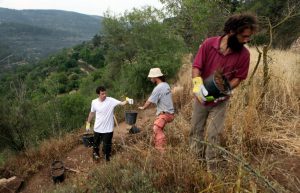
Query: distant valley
{"type": "Point", "coordinates": [29, 35]}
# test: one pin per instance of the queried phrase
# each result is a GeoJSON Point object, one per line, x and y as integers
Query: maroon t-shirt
{"type": "Point", "coordinates": [209, 59]}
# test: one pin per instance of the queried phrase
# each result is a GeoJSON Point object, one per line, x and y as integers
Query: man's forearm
{"type": "Point", "coordinates": [234, 83]}
{"type": "Point", "coordinates": [195, 72]}
{"type": "Point", "coordinates": [147, 103]}
{"type": "Point", "coordinates": [90, 117]}
{"type": "Point", "coordinates": [123, 103]}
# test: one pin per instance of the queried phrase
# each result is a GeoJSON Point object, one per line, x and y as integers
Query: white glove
{"type": "Point", "coordinates": [203, 93]}
{"type": "Point", "coordinates": [87, 126]}
{"type": "Point", "coordinates": [129, 100]}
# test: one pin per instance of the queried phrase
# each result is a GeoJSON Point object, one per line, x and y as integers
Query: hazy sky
{"type": "Point", "coordinates": [91, 7]}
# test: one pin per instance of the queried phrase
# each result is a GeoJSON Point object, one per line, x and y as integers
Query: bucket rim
{"type": "Point", "coordinates": [131, 111]}
{"type": "Point", "coordinates": [216, 85]}
{"type": "Point", "coordinates": [87, 135]}
{"type": "Point", "coordinates": [57, 161]}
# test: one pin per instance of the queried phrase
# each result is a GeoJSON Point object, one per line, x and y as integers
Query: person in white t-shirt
{"type": "Point", "coordinates": [102, 108]}
{"type": "Point", "coordinates": [162, 97]}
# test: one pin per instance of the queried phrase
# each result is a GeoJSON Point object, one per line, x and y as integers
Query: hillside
{"type": "Point", "coordinates": [29, 35]}
{"type": "Point", "coordinates": [263, 142]}
{"type": "Point", "coordinates": [52, 88]}
{"type": "Point", "coordinates": [44, 105]}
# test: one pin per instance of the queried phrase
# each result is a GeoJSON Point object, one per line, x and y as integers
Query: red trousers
{"type": "Point", "coordinates": [158, 133]}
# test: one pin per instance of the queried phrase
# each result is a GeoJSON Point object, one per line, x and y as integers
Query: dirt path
{"type": "Point", "coordinates": [80, 158]}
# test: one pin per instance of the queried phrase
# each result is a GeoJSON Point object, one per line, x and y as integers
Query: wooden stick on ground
{"type": "Point", "coordinates": [72, 170]}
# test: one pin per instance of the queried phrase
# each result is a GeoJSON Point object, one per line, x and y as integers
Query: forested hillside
{"type": "Point", "coordinates": [119, 56]}
{"type": "Point", "coordinates": [30, 35]}
{"type": "Point", "coordinates": [51, 97]}
{"type": "Point", "coordinates": [55, 93]}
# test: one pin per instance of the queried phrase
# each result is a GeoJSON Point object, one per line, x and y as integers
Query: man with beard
{"type": "Point", "coordinates": [162, 97]}
{"type": "Point", "coordinates": [225, 54]}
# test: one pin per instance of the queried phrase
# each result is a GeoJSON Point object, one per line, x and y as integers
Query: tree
{"type": "Point", "coordinates": [274, 16]}
{"type": "Point", "coordinates": [138, 41]}
{"type": "Point", "coordinates": [16, 121]}
{"type": "Point", "coordinates": [274, 12]}
{"type": "Point", "coordinates": [196, 20]}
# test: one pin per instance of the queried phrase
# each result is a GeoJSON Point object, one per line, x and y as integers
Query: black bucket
{"type": "Point", "coordinates": [134, 130]}
{"type": "Point", "coordinates": [88, 139]}
{"type": "Point", "coordinates": [214, 88]}
{"type": "Point", "coordinates": [130, 117]}
{"type": "Point", "coordinates": [57, 171]}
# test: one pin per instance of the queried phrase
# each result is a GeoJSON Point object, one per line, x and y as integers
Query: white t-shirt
{"type": "Point", "coordinates": [104, 120]}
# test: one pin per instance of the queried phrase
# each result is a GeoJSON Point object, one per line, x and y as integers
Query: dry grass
{"type": "Point", "coordinates": [264, 133]}
{"type": "Point", "coordinates": [275, 119]}
{"type": "Point", "coordinates": [31, 160]}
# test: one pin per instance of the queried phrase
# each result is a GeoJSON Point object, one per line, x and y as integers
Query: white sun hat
{"type": "Point", "coordinates": [154, 73]}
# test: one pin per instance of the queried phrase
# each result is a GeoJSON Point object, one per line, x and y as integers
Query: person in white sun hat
{"type": "Point", "coordinates": [161, 96]}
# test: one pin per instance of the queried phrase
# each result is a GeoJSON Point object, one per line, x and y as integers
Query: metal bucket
{"type": "Point", "coordinates": [88, 139]}
{"type": "Point", "coordinates": [57, 171]}
{"type": "Point", "coordinates": [130, 117]}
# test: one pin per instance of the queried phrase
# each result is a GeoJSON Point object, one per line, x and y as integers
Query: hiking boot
{"type": "Point", "coordinates": [96, 157]}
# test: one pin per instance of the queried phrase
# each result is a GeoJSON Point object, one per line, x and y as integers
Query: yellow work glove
{"type": "Point", "coordinates": [87, 126]}
{"type": "Point", "coordinates": [129, 100]}
{"type": "Point", "coordinates": [200, 91]}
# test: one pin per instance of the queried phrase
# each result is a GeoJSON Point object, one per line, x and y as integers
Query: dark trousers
{"type": "Point", "coordinates": [107, 143]}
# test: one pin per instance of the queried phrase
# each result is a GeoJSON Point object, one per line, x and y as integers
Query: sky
{"type": "Point", "coordinates": [90, 7]}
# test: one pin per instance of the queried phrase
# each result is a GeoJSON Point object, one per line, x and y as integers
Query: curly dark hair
{"type": "Point", "coordinates": [162, 78]}
{"type": "Point", "coordinates": [239, 22]}
{"type": "Point", "coordinates": [100, 89]}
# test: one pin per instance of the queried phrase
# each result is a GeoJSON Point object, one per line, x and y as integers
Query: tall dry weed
{"type": "Point", "coordinates": [182, 89]}
{"type": "Point", "coordinates": [273, 120]}
{"type": "Point", "coordinates": [266, 130]}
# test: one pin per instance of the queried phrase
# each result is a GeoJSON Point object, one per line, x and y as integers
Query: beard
{"type": "Point", "coordinates": [234, 44]}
